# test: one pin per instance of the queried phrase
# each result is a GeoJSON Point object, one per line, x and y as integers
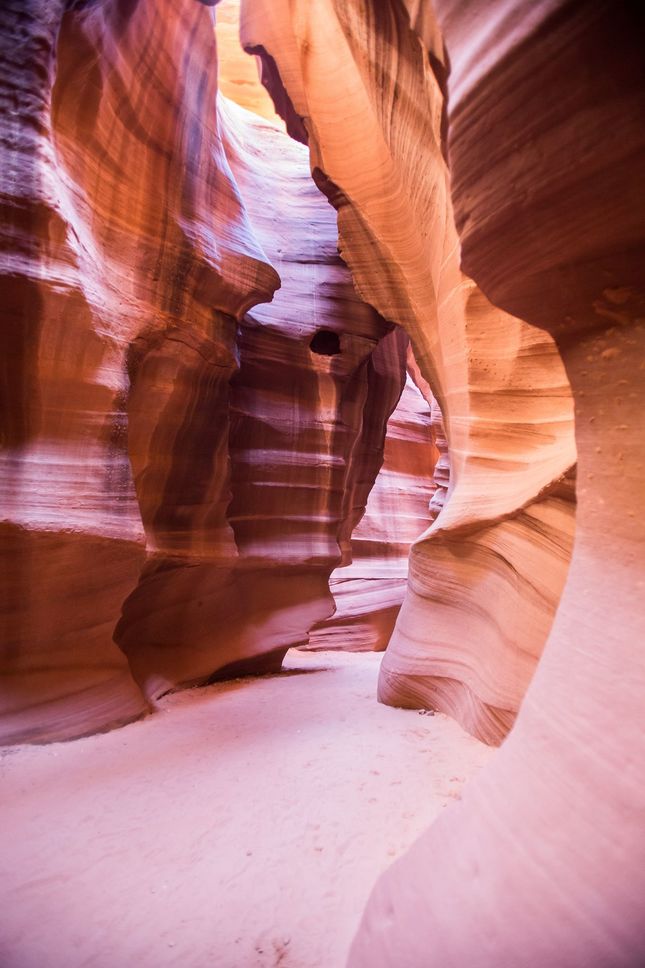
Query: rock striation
{"type": "Point", "coordinates": [486, 577]}
{"type": "Point", "coordinates": [368, 592]}
{"type": "Point", "coordinates": [306, 408]}
{"type": "Point", "coordinates": [195, 391]}
{"type": "Point", "coordinates": [179, 450]}
{"type": "Point", "coordinates": [544, 859]}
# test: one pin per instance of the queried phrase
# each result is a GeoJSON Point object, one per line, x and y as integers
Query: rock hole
{"type": "Point", "coordinates": [325, 343]}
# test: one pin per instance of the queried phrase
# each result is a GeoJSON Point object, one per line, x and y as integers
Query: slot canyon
{"type": "Point", "coordinates": [322, 484]}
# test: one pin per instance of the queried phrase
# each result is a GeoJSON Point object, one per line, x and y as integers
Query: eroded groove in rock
{"type": "Point", "coordinates": [492, 561]}
{"type": "Point", "coordinates": [370, 92]}
{"type": "Point", "coordinates": [276, 514]}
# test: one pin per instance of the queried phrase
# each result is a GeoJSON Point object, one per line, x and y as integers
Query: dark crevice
{"type": "Point", "coordinates": [271, 80]}
{"type": "Point", "coordinates": [325, 343]}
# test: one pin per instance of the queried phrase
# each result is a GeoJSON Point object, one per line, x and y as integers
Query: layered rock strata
{"type": "Point", "coordinates": [486, 577]}
{"type": "Point", "coordinates": [544, 861]}
{"type": "Point", "coordinates": [368, 592]}
{"type": "Point", "coordinates": [154, 422]}
{"type": "Point", "coordinates": [306, 409]}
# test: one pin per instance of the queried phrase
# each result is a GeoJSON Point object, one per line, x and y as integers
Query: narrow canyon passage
{"type": "Point", "coordinates": [322, 504]}
{"type": "Point", "coordinates": [240, 827]}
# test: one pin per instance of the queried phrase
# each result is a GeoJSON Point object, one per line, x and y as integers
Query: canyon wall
{"type": "Point", "coordinates": [543, 862]}
{"type": "Point", "coordinates": [486, 576]}
{"type": "Point", "coordinates": [183, 459]}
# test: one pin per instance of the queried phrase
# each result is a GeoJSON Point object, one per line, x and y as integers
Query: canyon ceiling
{"type": "Point", "coordinates": [366, 375]}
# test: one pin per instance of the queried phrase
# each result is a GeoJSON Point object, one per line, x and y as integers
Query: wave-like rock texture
{"type": "Point", "coordinates": [486, 577]}
{"type": "Point", "coordinates": [306, 410]}
{"type": "Point", "coordinates": [544, 861]}
{"type": "Point", "coordinates": [239, 74]}
{"type": "Point", "coordinates": [169, 451]}
{"type": "Point", "coordinates": [368, 592]}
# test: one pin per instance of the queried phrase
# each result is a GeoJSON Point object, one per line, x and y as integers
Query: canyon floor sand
{"type": "Point", "coordinates": [241, 826]}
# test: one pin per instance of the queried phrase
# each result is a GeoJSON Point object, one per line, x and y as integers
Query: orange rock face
{"type": "Point", "coordinates": [486, 577]}
{"type": "Point", "coordinates": [543, 862]}
{"type": "Point", "coordinates": [239, 74]}
{"type": "Point", "coordinates": [183, 457]}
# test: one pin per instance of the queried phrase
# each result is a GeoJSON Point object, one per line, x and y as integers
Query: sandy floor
{"type": "Point", "coordinates": [242, 826]}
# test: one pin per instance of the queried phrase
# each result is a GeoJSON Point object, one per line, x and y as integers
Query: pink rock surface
{"type": "Point", "coordinates": [182, 451]}
{"type": "Point", "coordinates": [302, 444]}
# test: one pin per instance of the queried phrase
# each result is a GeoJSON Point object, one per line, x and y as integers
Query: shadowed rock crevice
{"type": "Point", "coordinates": [325, 343]}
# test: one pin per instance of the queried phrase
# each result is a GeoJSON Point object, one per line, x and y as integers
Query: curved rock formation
{"type": "Point", "coordinates": [72, 541]}
{"type": "Point", "coordinates": [153, 418]}
{"type": "Point", "coordinates": [370, 93]}
{"type": "Point", "coordinates": [180, 448]}
{"type": "Point", "coordinates": [306, 431]}
{"type": "Point", "coordinates": [544, 861]}
{"type": "Point", "coordinates": [368, 591]}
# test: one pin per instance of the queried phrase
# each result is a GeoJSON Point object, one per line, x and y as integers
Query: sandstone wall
{"type": "Point", "coordinates": [176, 462]}
{"type": "Point", "coordinates": [542, 863]}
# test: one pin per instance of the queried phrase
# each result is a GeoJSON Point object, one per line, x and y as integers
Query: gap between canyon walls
{"type": "Point", "coordinates": [304, 444]}
{"type": "Point", "coordinates": [184, 431]}
{"type": "Point", "coordinates": [369, 591]}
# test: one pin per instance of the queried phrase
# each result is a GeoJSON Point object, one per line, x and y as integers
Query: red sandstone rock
{"type": "Point", "coordinates": [154, 404]}
{"type": "Point", "coordinates": [307, 410]}
{"type": "Point", "coordinates": [152, 417]}
{"type": "Point", "coordinates": [543, 863]}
